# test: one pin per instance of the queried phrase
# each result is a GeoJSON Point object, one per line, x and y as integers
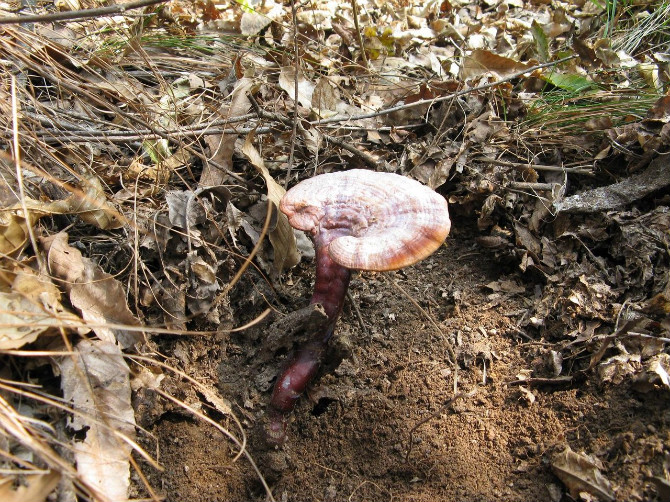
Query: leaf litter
{"type": "Point", "coordinates": [154, 151]}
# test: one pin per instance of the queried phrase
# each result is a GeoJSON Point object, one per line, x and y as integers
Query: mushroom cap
{"type": "Point", "coordinates": [372, 221]}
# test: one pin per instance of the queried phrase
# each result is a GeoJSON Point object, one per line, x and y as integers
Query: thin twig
{"type": "Point", "coordinates": [58, 122]}
{"type": "Point", "coordinates": [561, 380]}
{"type": "Point", "coordinates": [70, 131]}
{"type": "Point", "coordinates": [365, 157]}
{"type": "Point", "coordinates": [296, 71]}
{"type": "Point", "coordinates": [19, 177]}
{"type": "Point", "coordinates": [364, 57]}
{"type": "Point", "coordinates": [536, 167]}
{"type": "Point", "coordinates": [357, 311]}
{"type": "Point", "coordinates": [633, 334]}
{"type": "Point", "coordinates": [223, 295]}
{"type": "Point", "coordinates": [46, 72]}
{"type": "Point", "coordinates": [527, 185]}
{"type": "Point", "coordinates": [129, 136]}
{"type": "Point", "coordinates": [79, 14]}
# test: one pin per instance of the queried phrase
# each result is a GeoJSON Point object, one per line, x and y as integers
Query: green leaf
{"type": "Point", "coordinates": [571, 83]}
{"type": "Point", "coordinates": [157, 150]}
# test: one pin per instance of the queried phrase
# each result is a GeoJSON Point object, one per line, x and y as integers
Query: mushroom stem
{"type": "Point", "coordinates": [330, 288]}
{"type": "Point", "coordinates": [332, 279]}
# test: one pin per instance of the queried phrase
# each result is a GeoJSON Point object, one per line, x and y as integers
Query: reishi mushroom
{"type": "Point", "coordinates": [358, 220]}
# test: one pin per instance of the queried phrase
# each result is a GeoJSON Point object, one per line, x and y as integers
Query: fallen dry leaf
{"type": "Point", "coordinates": [656, 371]}
{"type": "Point", "coordinates": [99, 296]}
{"type": "Point", "coordinates": [481, 62]}
{"type": "Point", "coordinates": [618, 368]}
{"type": "Point", "coordinates": [29, 308]}
{"type": "Point", "coordinates": [92, 207]}
{"type": "Point", "coordinates": [30, 487]}
{"type": "Point", "coordinates": [222, 147]}
{"type": "Point", "coordinates": [96, 382]}
{"type": "Point", "coordinates": [527, 395]}
{"type": "Point", "coordinates": [305, 87]}
{"type": "Point", "coordinates": [281, 237]}
{"type": "Point", "coordinates": [90, 204]}
{"type": "Point", "coordinates": [581, 473]}
{"type": "Point", "coordinates": [13, 232]}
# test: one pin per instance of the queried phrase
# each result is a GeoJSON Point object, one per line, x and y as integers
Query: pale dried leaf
{"type": "Point", "coordinates": [13, 232]}
{"type": "Point", "coordinates": [147, 378]}
{"type": "Point", "coordinates": [527, 239]}
{"type": "Point", "coordinates": [98, 295]}
{"type": "Point", "coordinates": [155, 173]}
{"type": "Point", "coordinates": [93, 207]}
{"type": "Point", "coordinates": [305, 87]}
{"type": "Point", "coordinates": [187, 208]}
{"type": "Point", "coordinates": [116, 84]}
{"type": "Point", "coordinates": [173, 302]}
{"type": "Point", "coordinates": [222, 405]}
{"type": "Point", "coordinates": [8, 192]}
{"type": "Point", "coordinates": [32, 487]}
{"type": "Point", "coordinates": [200, 268]}
{"type": "Point", "coordinates": [234, 219]}
{"type": "Point", "coordinates": [617, 368]}
{"type": "Point", "coordinates": [90, 204]}
{"type": "Point", "coordinates": [506, 286]}
{"type": "Point", "coordinates": [527, 395]}
{"type": "Point", "coordinates": [16, 318]}
{"type": "Point", "coordinates": [29, 309]}
{"type": "Point", "coordinates": [163, 170]}
{"type": "Point", "coordinates": [183, 209]}
{"type": "Point", "coordinates": [581, 473]}
{"type": "Point", "coordinates": [223, 147]}
{"type": "Point", "coordinates": [96, 382]}
{"type": "Point", "coordinates": [281, 237]}
{"type": "Point", "coordinates": [304, 244]}
{"type": "Point", "coordinates": [657, 369]}
{"type": "Point", "coordinates": [252, 23]}
{"type": "Point", "coordinates": [204, 285]}
{"type": "Point", "coordinates": [325, 98]}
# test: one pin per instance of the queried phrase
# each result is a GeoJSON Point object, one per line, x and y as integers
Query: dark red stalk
{"type": "Point", "coordinates": [330, 288]}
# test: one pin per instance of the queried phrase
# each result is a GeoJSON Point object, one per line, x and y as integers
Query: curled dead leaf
{"type": "Point", "coordinates": [93, 207]}
{"type": "Point", "coordinates": [581, 473]}
{"type": "Point", "coordinates": [98, 295]}
{"type": "Point", "coordinates": [96, 380]}
{"type": "Point", "coordinates": [30, 487]}
{"type": "Point", "coordinates": [222, 147]}
{"type": "Point", "coordinates": [481, 62]}
{"type": "Point", "coordinates": [13, 232]}
{"type": "Point", "coordinates": [281, 237]}
{"type": "Point", "coordinates": [656, 371]}
{"type": "Point", "coordinates": [31, 307]}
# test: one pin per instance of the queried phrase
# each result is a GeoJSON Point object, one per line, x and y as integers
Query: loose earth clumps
{"type": "Point", "coordinates": [358, 220]}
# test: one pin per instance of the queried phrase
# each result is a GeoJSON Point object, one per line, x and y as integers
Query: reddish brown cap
{"type": "Point", "coordinates": [383, 221]}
